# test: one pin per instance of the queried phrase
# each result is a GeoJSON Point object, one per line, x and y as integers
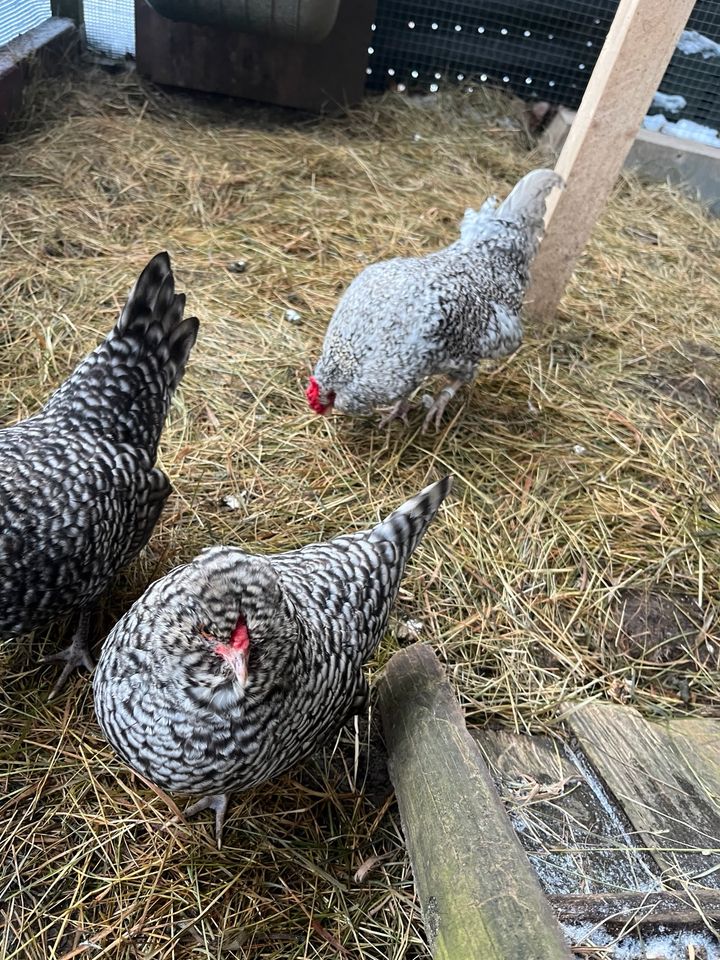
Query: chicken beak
{"type": "Point", "coordinates": [237, 659]}
{"type": "Point", "coordinates": [239, 662]}
{"type": "Point", "coordinates": [240, 666]}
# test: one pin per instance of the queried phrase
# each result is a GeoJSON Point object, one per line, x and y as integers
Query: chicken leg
{"type": "Point", "coordinates": [76, 655]}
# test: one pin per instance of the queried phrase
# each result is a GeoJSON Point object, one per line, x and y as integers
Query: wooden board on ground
{"type": "Point", "coordinates": [698, 739]}
{"type": "Point", "coordinates": [576, 839]}
{"type": "Point", "coordinates": [666, 778]}
{"type": "Point", "coordinates": [626, 910]}
{"type": "Point", "coordinates": [480, 898]}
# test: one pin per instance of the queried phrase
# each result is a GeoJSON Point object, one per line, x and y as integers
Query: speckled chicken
{"type": "Point", "coordinates": [403, 320]}
{"type": "Point", "coordinates": [234, 667]}
{"type": "Point", "coordinates": [79, 495]}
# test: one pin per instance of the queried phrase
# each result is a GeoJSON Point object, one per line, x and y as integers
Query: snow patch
{"type": "Point", "coordinates": [231, 502]}
{"type": "Point", "coordinates": [672, 103]}
{"type": "Point", "coordinates": [685, 129]}
{"type": "Point", "coordinates": [691, 42]}
{"type": "Point", "coordinates": [675, 945]}
{"type": "Point", "coordinates": [409, 629]}
{"type": "Point", "coordinates": [647, 884]}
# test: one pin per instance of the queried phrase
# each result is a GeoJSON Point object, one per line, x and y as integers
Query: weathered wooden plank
{"type": "Point", "coordinates": [44, 48]}
{"type": "Point", "coordinates": [312, 76]}
{"type": "Point", "coordinates": [302, 21]}
{"type": "Point", "coordinates": [479, 896]}
{"type": "Point", "coordinates": [575, 839]}
{"type": "Point", "coordinates": [636, 909]}
{"type": "Point", "coordinates": [698, 739]}
{"type": "Point", "coordinates": [668, 790]}
{"type": "Point", "coordinates": [627, 73]}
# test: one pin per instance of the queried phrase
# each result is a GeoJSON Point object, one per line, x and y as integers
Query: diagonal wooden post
{"type": "Point", "coordinates": [631, 64]}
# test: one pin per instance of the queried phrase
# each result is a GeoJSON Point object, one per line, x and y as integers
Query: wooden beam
{"type": "Point", "coordinates": [479, 895]}
{"type": "Point", "coordinates": [44, 48]}
{"type": "Point", "coordinates": [667, 782]}
{"type": "Point", "coordinates": [628, 910]}
{"type": "Point", "coordinates": [628, 71]}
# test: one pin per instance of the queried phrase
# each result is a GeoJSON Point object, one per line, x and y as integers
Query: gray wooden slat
{"type": "Point", "coordinates": [666, 781]}
{"type": "Point", "coordinates": [576, 840]}
{"type": "Point", "coordinates": [637, 909]}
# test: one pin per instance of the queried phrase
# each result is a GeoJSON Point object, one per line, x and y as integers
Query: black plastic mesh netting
{"type": "Point", "coordinates": [539, 49]}
{"type": "Point", "coordinates": [543, 49]}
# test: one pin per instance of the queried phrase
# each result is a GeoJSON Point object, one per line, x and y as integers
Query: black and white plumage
{"type": "Point", "coordinates": [234, 667]}
{"type": "Point", "coordinates": [79, 495]}
{"type": "Point", "coordinates": [403, 320]}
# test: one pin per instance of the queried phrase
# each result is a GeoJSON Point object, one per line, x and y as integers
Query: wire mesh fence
{"type": "Point", "coordinates": [536, 48]}
{"type": "Point", "coordinates": [110, 26]}
{"type": "Point", "coordinates": [694, 70]}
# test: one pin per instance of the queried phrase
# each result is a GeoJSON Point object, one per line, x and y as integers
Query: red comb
{"type": "Point", "coordinates": [240, 637]}
{"type": "Point", "coordinates": [312, 393]}
{"type": "Point", "coordinates": [313, 397]}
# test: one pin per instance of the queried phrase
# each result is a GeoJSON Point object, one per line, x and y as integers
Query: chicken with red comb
{"type": "Point", "coordinates": [403, 320]}
{"type": "Point", "coordinates": [234, 667]}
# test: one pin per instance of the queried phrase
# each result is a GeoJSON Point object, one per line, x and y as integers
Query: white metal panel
{"type": "Point", "coordinates": [19, 16]}
{"type": "Point", "coordinates": [109, 25]}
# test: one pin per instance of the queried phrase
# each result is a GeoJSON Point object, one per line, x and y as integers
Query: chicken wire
{"type": "Point", "coordinates": [110, 26]}
{"type": "Point", "coordinates": [19, 16]}
{"type": "Point", "coordinates": [690, 88]}
{"type": "Point", "coordinates": [538, 49]}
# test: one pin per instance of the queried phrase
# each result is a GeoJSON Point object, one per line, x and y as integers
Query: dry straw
{"type": "Point", "coordinates": [578, 557]}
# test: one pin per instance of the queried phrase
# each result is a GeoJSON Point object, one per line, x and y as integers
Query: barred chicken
{"type": "Point", "coordinates": [403, 320]}
{"type": "Point", "coordinates": [79, 495]}
{"type": "Point", "coordinates": [234, 667]}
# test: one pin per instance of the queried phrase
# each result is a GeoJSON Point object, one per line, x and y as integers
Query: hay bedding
{"type": "Point", "coordinates": [586, 510]}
